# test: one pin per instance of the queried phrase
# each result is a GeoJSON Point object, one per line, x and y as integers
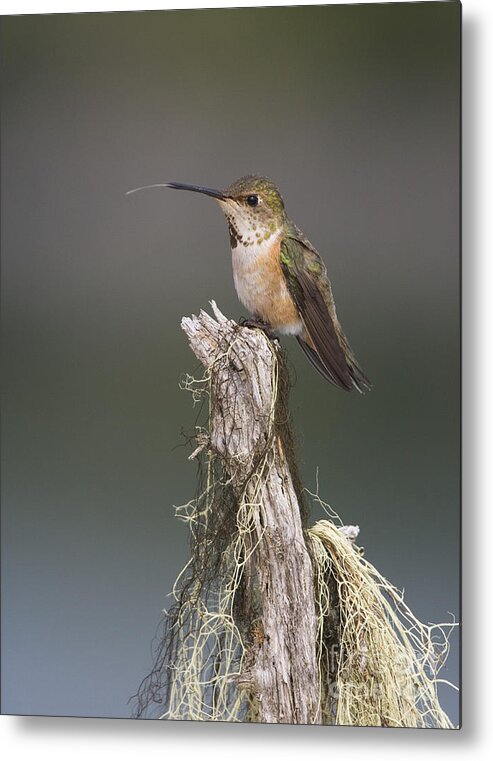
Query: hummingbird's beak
{"type": "Point", "coordinates": [180, 186]}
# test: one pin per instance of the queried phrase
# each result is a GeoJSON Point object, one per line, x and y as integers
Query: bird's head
{"type": "Point", "coordinates": [252, 205]}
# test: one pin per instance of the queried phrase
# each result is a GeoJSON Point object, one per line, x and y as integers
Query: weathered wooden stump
{"type": "Point", "coordinates": [281, 668]}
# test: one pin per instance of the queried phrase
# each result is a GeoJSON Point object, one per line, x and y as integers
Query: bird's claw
{"type": "Point", "coordinates": [247, 322]}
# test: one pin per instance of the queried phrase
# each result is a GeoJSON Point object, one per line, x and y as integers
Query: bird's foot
{"type": "Point", "coordinates": [247, 322]}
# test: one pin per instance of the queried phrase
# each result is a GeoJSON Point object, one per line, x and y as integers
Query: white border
{"type": "Point", "coordinates": [53, 739]}
{"type": "Point", "coordinates": [74, 6]}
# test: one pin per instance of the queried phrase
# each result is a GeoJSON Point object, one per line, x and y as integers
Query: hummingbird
{"type": "Point", "coordinates": [280, 277]}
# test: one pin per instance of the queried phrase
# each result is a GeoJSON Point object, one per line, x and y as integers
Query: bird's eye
{"type": "Point", "coordinates": [252, 200]}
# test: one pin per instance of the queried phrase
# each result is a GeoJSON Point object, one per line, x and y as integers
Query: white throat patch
{"type": "Point", "coordinates": [246, 230]}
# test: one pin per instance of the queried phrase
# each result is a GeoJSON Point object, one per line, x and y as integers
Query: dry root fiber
{"type": "Point", "coordinates": [379, 665]}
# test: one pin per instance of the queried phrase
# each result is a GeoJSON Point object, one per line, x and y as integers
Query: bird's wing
{"type": "Point", "coordinates": [323, 340]}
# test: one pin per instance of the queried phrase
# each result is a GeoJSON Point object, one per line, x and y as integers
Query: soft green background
{"type": "Point", "coordinates": [354, 112]}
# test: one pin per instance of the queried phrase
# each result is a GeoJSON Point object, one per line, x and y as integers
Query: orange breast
{"type": "Point", "coordinates": [261, 286]}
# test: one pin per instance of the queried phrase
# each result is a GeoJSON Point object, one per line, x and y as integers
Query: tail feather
{"type": "Point", "coordinates": [358, 379]}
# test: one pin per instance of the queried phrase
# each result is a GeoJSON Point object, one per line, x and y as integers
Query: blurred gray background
{"type": "Point", "coordinates": [354, 111]}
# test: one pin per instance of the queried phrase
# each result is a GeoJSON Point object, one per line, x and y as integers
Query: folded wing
{"type": "Point", "coordinates": [323, 341]}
